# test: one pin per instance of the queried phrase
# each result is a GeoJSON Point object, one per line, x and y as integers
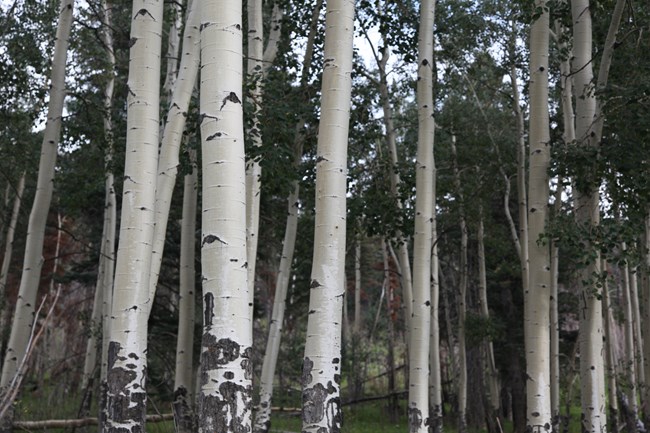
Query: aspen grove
{"type": "Point", "coordinates": [325, 216]}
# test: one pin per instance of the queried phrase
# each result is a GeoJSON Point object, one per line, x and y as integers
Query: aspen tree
{"type": "Point", "coordinates": [594, 417]}
{"type": "Point", "coordinates": [321, 377]}
{"type": "Point", "coordinates": [253, 169]}
{"type": "Point", "coordinates": [6, 260]}
{"type": "Point", "coordinates": [110, 211]}
{"type": "Point", "coordinates": [420, 321]}
{"type": "Point", "coordinates": [183, 379]}
{"type": "Point", "coordinates": [33, 260]}
{"type": "Point", "coordinates": [263, 415]}
{"type": "Point", "coordinates": [610, 356]}
{"type": "Point", "coordinates": [435, 374]}
{"type": "Point", "coordinates": [225, 394]}
{"type": "Point", "coordinates": [127, 349]}
{"type": "Point", "coordinates": [172, 136]}
{"type": "Point", "coordinates": [537, 293]}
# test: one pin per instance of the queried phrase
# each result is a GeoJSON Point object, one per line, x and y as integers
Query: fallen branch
{"type": "Point", "coordinates": [82, 422]}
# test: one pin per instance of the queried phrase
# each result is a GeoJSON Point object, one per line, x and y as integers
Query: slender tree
{"type": "Point", "coordinates": [33, 260]}
{"type": "Point", "coordinates": [537, 293]}
{"type": "Point", "coordinates": [183, 379]}
{"type": "Point", "coordinates": [321, 377]}
{"type": "Point", "coordinates": [420, 321]}
{"type": "Point", "coordinates": [127, 349]}
{"type": "Point", "coordinates": [225, 394]}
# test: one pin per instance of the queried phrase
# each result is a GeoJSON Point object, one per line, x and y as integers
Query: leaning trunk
{"type": "Point", "coordinates": [33, 261]}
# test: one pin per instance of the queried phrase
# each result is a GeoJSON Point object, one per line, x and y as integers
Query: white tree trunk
{"type": "Point", "coordinates": [537, 293]}
{"type": "Point", "coordinates": [6, 261]}
{"type": "Point", "coordinates": [225, 395]}
{"type": "Point", "coordinates": [173, 46]}
{"type": "Point", "coordinates": [420, 321]}
{"type": "Point", "coordinates": [435, 374]}
{"type": "Point", "coordinates": [587, 213]}
{"type": "Point", "coordinates": [255, 76]}
{"type": "Point", "coordinates": [610, 356]}
{"type": "Point", "coordinates": [321, 377]}
{"type": "Point", "coordinates": [183, 379]}
{"type": "Point", "coordinates": [110, 210]}
{"type": "Point", "coordinates": [127, 350]}
{"type": "Point", "coordinates": [172, 137]}
{"type": "Point", "coordinates": [263, 415]}
{"type": "Point", "coordinates": [33, 261]}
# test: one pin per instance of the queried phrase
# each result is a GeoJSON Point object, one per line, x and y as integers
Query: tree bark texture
{"type": "Point", "coordinates": [537, 294]}
{"type": "Point", "coordinates": [225, 395]}
{"type": "Point", "coordinates": [321, 377]}
{"type": "Point", "coordinates": [172, 137]}
{"type": "Point", "coordinates": [184, 377]}
{"type": "Point", "coordinates": [420, 320]}
{"type": "Point", "coordinates": [127, 361]}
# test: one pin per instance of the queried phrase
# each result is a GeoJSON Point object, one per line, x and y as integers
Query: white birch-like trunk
{"type": "Point", "coordinates": [420, 320]}
{"type": "Point", "coordinates": [492, 375]}
{"type": "Point", "coordinates": [183, 379]}
{"type": "Point", "coordinates": [435, 373]}
{"type": "Point", "coordinates": [6, 260]}
{"type": "Point", "coordinates": [127, 350]}
{"type": "Point", "coordinates": [172, 136]}
{"type": "Point", "coordinates": [173, 46]}
{"type": "Point", "coordinates": [592, 372]}
{"type": "Point", "coordinates": [33, 261]}
{"type": "Point", "coordinates": [537, 292]}
{"type": "Point", "coordinates": [263, 414]}
{"type": "Point", "coordinates": [636, 323]}
{"type": "Point", "coordinates": [646, 305]}
{"type": "Point", "coordinates": [255, 68]}
{"type": "Point", "coordinates": [610, 356]}
{"type": "Point", "coordinates": [321, 376]}
{"type": "Point", "coordinates": [110, 211]}
{"type": "Point", "coordinates": [225, 394]}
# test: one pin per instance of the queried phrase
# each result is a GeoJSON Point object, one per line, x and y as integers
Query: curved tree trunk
{"type": "Point", "coordinates": [225, 395]}
{"type": "Point", "coordinates": [33, 261]}
{"type": "Point", "coordinates": [537, 293]}
{"type": "Point", "coordinates": [321, 377]}
{"type": "Point", "coordinates": [127, 350]}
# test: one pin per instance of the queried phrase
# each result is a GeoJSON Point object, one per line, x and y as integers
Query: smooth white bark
{"type": "Point", "coordinates": [6, 259]}
{"type": "Point", "coordinates": [321, 377]}
{"type": "Point", "coordinates": [537, 293]}
{"type": "Point", "coordinates": [420, 321]}
{"type": "Point", "coordinates": [33, 261]}
{"type": "Point", "coordinates": [172, 137]}
{"type": "Point", "coordinates": [225, 394]}
{"type": "Point", "coordinates": [127, 350]}
{"type": "Point", "coordinates": [184, 377]}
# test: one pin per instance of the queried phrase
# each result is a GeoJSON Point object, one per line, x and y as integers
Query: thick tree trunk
{"type": "Point", "coordinates": [322, 362]}
{"type": "Point", "coordinates": [420, 321]}
{"type": "Point", "coordinates": [172, 137]}
{"type": "Point", "coordinates": [184, 378]}
{"type": "Point", "coordinates": [537, 293]}
{"type": "Point", "coordinates": [225, 395]}
{"type": "Point", "coordinates": [127, 350]}
{"type": "Point", "coordinates": [6, 261]}
{"type": "Point", "coordinates": [33, 261]}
